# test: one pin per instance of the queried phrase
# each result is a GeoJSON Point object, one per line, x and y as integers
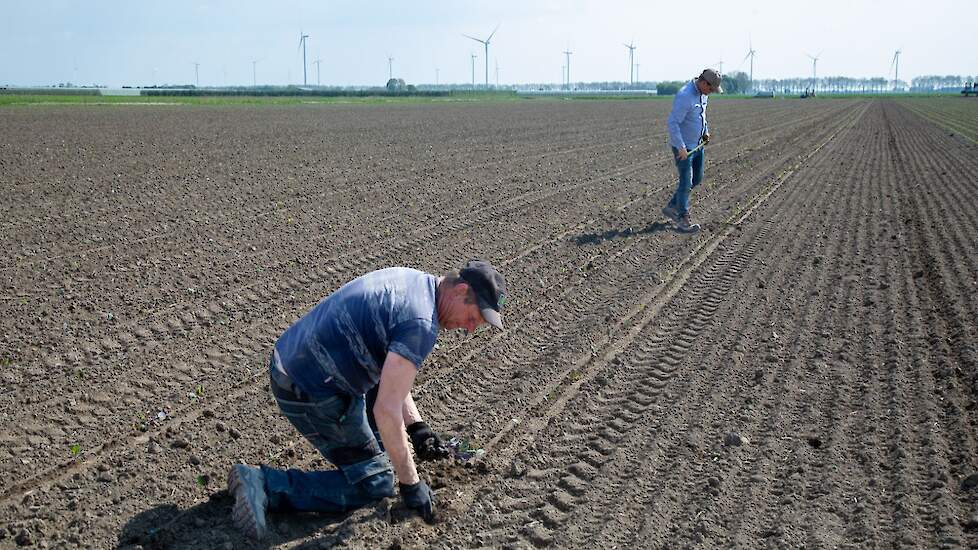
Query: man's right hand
{"type": "Point", "coordinates": [427, 444]}
{"type": "Point", "coordinates": [682, 154]}
{"type": "Point", "coordinates": [419, 497]}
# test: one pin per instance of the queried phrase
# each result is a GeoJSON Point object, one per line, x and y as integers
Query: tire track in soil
{"type": "Point", "coordinates": [254, 343]}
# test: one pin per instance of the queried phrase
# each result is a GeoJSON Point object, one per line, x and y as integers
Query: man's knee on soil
{"type": "Point", "coordinates": [378, 486]}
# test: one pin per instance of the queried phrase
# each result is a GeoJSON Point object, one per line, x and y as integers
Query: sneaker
{"type": "Point", "coordinates": [687, 226]}
{"type": "Point", "coordinates": [247, 485]}
{"type": "Point", "coordinates": [671, 213]}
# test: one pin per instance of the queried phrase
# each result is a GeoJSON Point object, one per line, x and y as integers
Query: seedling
{"type": "Point", "coordinates": [75, 448]}
{"type": "Point", "coordinates": [466, 449]}
{"type": "Point", "coordinates": [199, 390]}
{"type": "Point", "coordinates": [140, 424]}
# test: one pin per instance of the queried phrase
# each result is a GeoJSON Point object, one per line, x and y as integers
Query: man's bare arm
{"type": "Point", "coordinates": [396, 380]}
{"type": "Point", "coordinates": [410, 411]}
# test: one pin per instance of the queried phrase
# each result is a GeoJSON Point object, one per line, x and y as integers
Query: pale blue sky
{"type": "Point", "coordinates": [114, 42]}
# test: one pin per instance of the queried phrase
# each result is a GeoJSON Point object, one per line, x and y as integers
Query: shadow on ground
{"type": "Point", "coordinates": [598, 238]}
{"type": "Point", "coordinates": [208, 525]}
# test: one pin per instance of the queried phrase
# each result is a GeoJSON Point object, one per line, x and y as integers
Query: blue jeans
{"type": "Point", "coordinates": [690, 175]}
{"type": "Point", "coordinates": [337, 426]}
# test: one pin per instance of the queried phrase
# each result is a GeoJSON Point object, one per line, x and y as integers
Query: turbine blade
{"type": "Point", "coordinates": [473, 38]}
{"type": "Point", "coordinates": [493, 33]}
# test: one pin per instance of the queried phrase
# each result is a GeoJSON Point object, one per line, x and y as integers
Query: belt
{"type": "Point", "coordinates": [285, 388]}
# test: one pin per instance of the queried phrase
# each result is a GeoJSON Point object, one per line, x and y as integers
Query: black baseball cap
{"type": "Point", "coordinates": [489, 287]}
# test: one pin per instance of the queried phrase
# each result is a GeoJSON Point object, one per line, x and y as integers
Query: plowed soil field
{"type": "Point", "coordinates": [801, 373]}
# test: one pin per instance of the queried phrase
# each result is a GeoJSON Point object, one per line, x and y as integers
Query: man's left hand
{"type": "Point", "coordinates": [427, 444]}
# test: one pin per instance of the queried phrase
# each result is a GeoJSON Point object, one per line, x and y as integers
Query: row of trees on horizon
{"type": "Point", "coordinates": [736, 82]}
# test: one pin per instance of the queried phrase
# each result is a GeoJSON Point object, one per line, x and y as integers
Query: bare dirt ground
{"type": "Point", "coordinates": [801, 373]}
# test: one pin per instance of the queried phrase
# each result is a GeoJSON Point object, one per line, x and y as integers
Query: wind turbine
{"type": "Point", "coordinates": [390, 67]}
{"type": "Point", "coordinates": [497, 73]}
{"type": "Point", "coordinates": [631, 62]}
{"type": "Point", "coordinates": [814, 59]}
{"type": "Point", "coordinates": [317, 62]}
{"type": "Point", "coordinates": [302, 44]}
{"type": "Point", "coordinates": [486, 44]}
{"type": "Point", "coordinates": [254, 73]}
{"type": "Point", "coordinates": [750, 53]}
{"type": "Point", "coordinates": [197, 74]}
{"type": "Point", "coordinates": [568, 54]}
{"type": "Point", "coordinates": [895, 64]}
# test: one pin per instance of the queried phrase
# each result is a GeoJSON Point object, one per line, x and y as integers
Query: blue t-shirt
{"type": "Point", "coordinates": [345, 338]}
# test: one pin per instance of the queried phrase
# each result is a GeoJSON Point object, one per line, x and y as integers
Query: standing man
{"type": "Point", "coordinates": [688, 136]}
{"type": "Point", "coordinates": [374, 331]}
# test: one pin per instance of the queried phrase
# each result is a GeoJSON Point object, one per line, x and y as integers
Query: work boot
{"type": "Point", "coordinates": [687, 226]}
{"type": "Point", "coordinates": [671, 213]}
{"type": "Point", "coordinates": [247, 485]}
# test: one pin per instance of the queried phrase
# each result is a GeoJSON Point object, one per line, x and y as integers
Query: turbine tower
{"type": "Point", "coordinates": [486, 44]}
{"type": "Point", "coordinates": [631, 62]}
{"type": "Point", "coordinates": [197, 74]}
{"type": "Point", "coordinates": [473, 68]}
{"type": "Point", "coordinates": [254, 72]}
{"type": "Point", "coordinates": [317, 62]}
{"type": "Point", "coordinates": [302, 44]}
{"type": "Point", "coordinates": [895, 66]}
{"type": "Point", "coordinates": [814, 59]}
{"type": "Point", "coordinates": [568, 54]}
{"type": "Point", "coordinates": [390, 67]}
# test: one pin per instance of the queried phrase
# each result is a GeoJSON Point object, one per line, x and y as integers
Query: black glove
{"type": "Point", "coordinates": [427, 445]}
{"type": "Point", "coordinates": [419, 497]}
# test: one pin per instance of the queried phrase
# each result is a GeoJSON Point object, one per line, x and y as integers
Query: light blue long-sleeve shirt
{"type": "Point", "coordinates": [687, 121]}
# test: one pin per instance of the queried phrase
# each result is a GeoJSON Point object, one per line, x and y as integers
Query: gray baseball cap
{"type": "Point", "coordinates": [489, 287]}
{"type": "Point", "coordinates": [713, 78]}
